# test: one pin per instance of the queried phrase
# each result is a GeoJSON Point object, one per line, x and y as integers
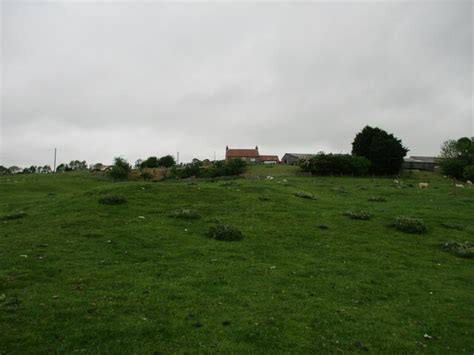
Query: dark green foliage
{"type": "Point", "coordinates": [384, 150]}
{"type": "Point", "coordinates": [231, 167]}
{"type": "Point", "coordinates": [11, 216]}
{"type": "Point", "coordinates": [304, 194]}
{"type": "Point", "coordinates": [112, 200]}
{"type": "Point", "coordinates": [186, 214]}
{"type": "Point", "coordinates": [224, 232]}
{"type": "Point", "coordinates": [151, 162]}
{"type": "Point", "coordinates": [452, 167]}
{"type": "Point", "coordinates": [410, 225]}
{"type": "Point", "coordinates": [464, 250]}
{"type": "Point", "coordinates": [469, 173]}
{"type": "Point", "coordinates": [360, 215]}
{"type": "Point", "coordinates": [120, 169]}
{"type": "Point", "coordinates": [4, 170]}
{"type": "Point", "coordinates": [336, 164]}
{"type": "Point", "coordinates": [377, 199]}
{"type": "Point", "coordinates": [167, 161]}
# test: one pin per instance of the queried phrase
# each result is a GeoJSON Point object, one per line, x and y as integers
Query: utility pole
{"type": "Point", "coordinates": [214, 156]}
{"type": "Point", "coordinates": [54, 166]}
{"type": "Point", "coordinates": [177, 158]}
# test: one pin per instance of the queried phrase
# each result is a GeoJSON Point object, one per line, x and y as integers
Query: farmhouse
{"type": "Point", "coordinates": [294, 158]}
{"type": "Point", "coordinates": [250, 156]}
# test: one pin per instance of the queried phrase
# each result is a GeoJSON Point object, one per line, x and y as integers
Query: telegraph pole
{"type": "Point", "coordinates": [54, 166]}
{"type": "Point", "coordinates": [177, 158]}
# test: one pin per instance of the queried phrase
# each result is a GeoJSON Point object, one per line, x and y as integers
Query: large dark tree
{"type": "Point", "coordinates": [384, 150]}
{"type": "Point", "coordinates": [151, 162]}
{"type": "Point", "coordinates": [167, 161]}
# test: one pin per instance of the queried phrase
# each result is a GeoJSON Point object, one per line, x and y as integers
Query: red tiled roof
{"type": "Point", "coordinates": [247, 153]}
{"type": "Point", "coordinates": [268, 157]}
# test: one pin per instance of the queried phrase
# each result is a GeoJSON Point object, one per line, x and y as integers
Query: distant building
{"type": "Point", "coordinates": [268, 159]}
{"type": "Point", "coordinates": [421, 163]}
{"type": "Point", "coordinates": [294, 158]}
{"type": "Point", "coordinates": [250, 156]}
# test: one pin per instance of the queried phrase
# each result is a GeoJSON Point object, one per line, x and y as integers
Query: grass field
{"type": "Point", "coordinates": [77, 275]}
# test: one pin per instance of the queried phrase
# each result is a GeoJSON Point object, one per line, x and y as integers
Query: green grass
{"type": "Point", "coordinates": [77, 275]}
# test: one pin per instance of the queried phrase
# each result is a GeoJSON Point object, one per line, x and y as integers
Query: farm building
{"type": "Point", "coordinates": [250, 156]}
{"type": "Point", "coordinates": [294, 158]}
{"type": "Point", "coordinates": [420, 163]}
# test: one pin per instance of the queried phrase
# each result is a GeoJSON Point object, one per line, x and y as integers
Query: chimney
{"type": "Point", "coordinates": [226, 147]}
{"type": "Point", "coordinates": [256, 148]}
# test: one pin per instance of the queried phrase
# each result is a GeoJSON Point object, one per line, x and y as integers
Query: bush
{"type": "Point", "coordinates": [112, 200]}
{"type": "Point", "coordinates": [231, 167]}
{"type": "Point", "coordinates": [452, 167]}
{"type": "Point", "coordinates": [120, 169]}
{"type": "Point", "coordinates": [377, 199]}
{"type": "Point", "coordinates": [304, 194]}
{"type": "Point", "coordinates": [464, 250]}
{"type": "Point", "coordinates": [360, 215]}
{"type": "Point", "coordinates": [224, 232]}
{"type": "Point", "coordinates": [11, 216]}
{"type": "Point", "coordinates": [469, 173]}
{"type": "Point", "coordinates": [382, 149]}
{"type": "Point", "coordinates": [167, 161]}
{"type": "Point", "coordinates": [336, 164]}
{"type": "Point", "coordinates": [410, 225]}
{"type": "Point", "coordinates": [150, 162]}
{"type": "Point", "coordinates": [186, 214]}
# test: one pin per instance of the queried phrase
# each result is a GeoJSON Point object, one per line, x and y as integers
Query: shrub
{"type": "Point", "coordinates": [469, 173]}
{"type": "Point", "coordinates": [360, 215]}
{"type": "Point", "coordinates": [410, 225]}
{"type": "Point", "coordinates": [150, 162]}
{"type": "Point", "coordinates": [120, 169]}
{"type": "Point", "coordinates": [224, 232]}
{"type": "Point", "coordinates": [377, 199]}
{"type": "Point", "coordinates": [112, 200]}
{"type": "Point", "coordinates": [452, 167]}
{"type": "Point", "coordinates": [464, 250]}
{"type": "Point", "coordinates": [186, 214]}
{"type": "Point", "coordinates": [383, 150]}
{"type": "Point", "coordinates": [16, 215]}
{"type": "Point", "coordinates": [304, 194]}
{"type": "Point", "coordinates": [336, 164]}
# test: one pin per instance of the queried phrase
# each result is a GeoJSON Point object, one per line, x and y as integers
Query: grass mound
{"type": "Point", "coordinates": [409, 225]}
{"type": "Point", "coordinates": [360, 215]}
{"type": "Point", "coordinates": [112, 200]}
{"type": "Point", "coordinates": [377, 199]}
{"type": "Point", "coordinates": [304, 194]}
{"type": "Point", "coordinates": [224, 232]}
{"type": "Point", "coordinates": [464, 250]}
{"type": "Point", "coordinates": [186, 214]}
{"type": "Point", "coordinates": [16, 215]}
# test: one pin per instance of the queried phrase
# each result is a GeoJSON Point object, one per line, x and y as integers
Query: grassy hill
{"type": "Point", "coordinates": [77, 275]}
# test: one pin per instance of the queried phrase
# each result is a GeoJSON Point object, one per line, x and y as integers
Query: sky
{"type": "Point", "coordinates": [97, 80]}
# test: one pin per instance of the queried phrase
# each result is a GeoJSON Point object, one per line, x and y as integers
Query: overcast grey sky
{"type": "Point", "coordinates": [134, 79]}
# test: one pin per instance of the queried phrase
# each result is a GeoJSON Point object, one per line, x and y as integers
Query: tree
{"type": "Point", "coordinates": [14, 169]}
{"type": "Point", "coordinates": [120, 169]}
{"type": "Point", "coordinates": [449, 150]}
{"type": "Point", "coordinates": [78, 165]}
{"type": "Point", "coordinates": [151, 162]}
{"type": "Point", "coordinates": [138, 163]}
{"type": "Point", "coordinates": [44, 169]}
{"type": "Point", "coordinates": [4, 170]}
{"type": "Point", "coordinates": [383, 150]}
{"type": "Point", "coordinates": [167, 161]}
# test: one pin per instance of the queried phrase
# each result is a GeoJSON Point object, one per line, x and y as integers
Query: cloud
{"type": "Point", "coordinates": [98, 80]}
